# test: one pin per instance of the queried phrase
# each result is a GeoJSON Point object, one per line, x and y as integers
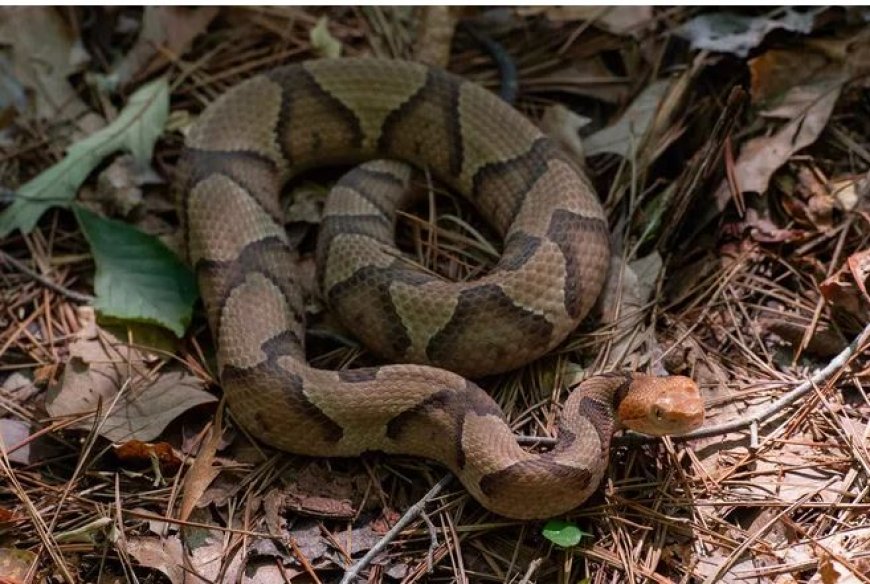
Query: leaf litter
{"type": "Point", "coordinates": [731, 151]}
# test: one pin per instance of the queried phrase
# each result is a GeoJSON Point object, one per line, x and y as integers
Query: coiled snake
{"type": "Point", "coordinates": [251, 140]}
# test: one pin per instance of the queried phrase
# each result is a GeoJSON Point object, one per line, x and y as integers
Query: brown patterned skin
{"type": "Point", "coordinates": [250, 141]}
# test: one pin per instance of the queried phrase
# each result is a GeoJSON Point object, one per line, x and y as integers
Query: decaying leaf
{"type": "Point", "coordinates": [119, 190]}
{"type": "Point", "coordinates": [43, 57]}
{"type": "Point", "coordinates": [318, 492]}
{"type": "Point", "coordinates": [18, 388]}
{"type": "Point", "coordinates": [587, 76]}
{"type": "Point", "coordinates": [728, 32]}
{"type": "Point", "coordinates": [614, 19]}
{"type": "Point", "coordinates": [847, 289]}
{"type": "Point", "coordinates": [824, 342]}
{"type": "Point", "coordinates": [170, 28]}
{"type": "Point", "coordinates": [15, 564]}
{"type": "Point", "coordinates": [106, 373]}
{"type": "Point", "coordinates": [628, 133]}
{"type": "Point", "coordinates": [163, 554]}
{"type": "Point", "coordinates": [203, 471]}
{"type": "Point", "coordinates": [837, 556]}
{"type": "Point", "coordinates": [775, 72]}
{"type": "Point", "coordinates": [14, 434]}
{"type": "Point", "coordinates": [135, 130]}
{"type": "Point", "coordinates": [761, 157]}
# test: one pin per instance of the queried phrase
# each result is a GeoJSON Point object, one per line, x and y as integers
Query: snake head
{"type": "Point", "coordinates": [661, 406]}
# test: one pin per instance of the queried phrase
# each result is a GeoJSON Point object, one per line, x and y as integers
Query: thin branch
{"type": "Point", "coordinates": [21, 267]}
{"type": "Point", "coordinates": [353, 572]}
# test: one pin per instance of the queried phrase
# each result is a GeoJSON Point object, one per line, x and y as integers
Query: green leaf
{"type": "Point", "coordinates": [138, 278]}
{"type": "Point", "coordinates": [563, 534]}
{"type": "Point", "coordinates": [135, 130]}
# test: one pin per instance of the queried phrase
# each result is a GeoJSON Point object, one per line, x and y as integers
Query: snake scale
{"type": "Point", "coordinates": [249, 142]}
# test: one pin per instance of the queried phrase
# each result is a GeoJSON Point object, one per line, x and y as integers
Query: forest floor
{"type": "Point", "coordinates": [731, 153]}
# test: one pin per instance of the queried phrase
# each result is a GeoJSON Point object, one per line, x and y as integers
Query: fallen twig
{"type": "Point", "coordinates": [72, 295]}
{"type": "Point", "coordinates": [411, 514]}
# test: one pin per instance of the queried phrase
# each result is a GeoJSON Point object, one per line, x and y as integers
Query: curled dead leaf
{"type": "Point", "coordinates": [847, 288]}
{"type": "Point", "coordinates": [203, 471]}
{"type": "Point", "coordinates": [108, 374]}
{"type": "Point", "coordinates": [135, 453]}
{"type": "Point", "coordinates": [6, 516]}
{"type": "Point", "coordinates": [15, 565]}
{"type": "Point", "coordinates": [14, 436]}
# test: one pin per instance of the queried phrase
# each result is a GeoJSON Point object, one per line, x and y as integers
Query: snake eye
{"type": "Point", "coordinates": [657, 412]}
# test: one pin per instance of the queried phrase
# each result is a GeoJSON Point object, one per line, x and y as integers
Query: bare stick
{"type": "Point", "coordinates": [403, 522]}
{"type": "Point", "coordinates": [433, 542]}
{"type": "Point", "coordinates": [72, 295]}
{"type": "Point", "coordinates": [530, 571]}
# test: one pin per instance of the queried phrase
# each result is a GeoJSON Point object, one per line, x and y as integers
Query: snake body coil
{"type": "Point", "coordinates": [250, 141]}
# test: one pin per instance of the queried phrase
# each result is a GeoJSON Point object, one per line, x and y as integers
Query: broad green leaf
{"type": "Point", "coordinates": [563, 534]}
{"type": "Point", "coordinates": [135, 130]}
{"type": "Point", "coordinates": [138, 278]}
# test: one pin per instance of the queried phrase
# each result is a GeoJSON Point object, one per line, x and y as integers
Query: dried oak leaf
{"type": "Point", "coordinates": [106, 374]}
{"type": "Point", "coordinates": [847, 288]}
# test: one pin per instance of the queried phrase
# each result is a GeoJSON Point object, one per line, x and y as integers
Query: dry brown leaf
{"type": "Point", "coordinates": [798, 99]}
{"type": "Point", "coordinates": [823, 343]}
{"type": "Point", "coordinates": [119, 191]}
{"type": "Point", "coordinates": [851, 191]}
{"type": "Point", "coordinates": [773, 73]}
{"type": "Point", "coordinates": [98, 371]}
{"type": "Point", "coordinates": [202, 472]}
{"type": "Point", "coordinates": [267, 572]}
{"type": "Point", "coordinates": [847, 288]}
{"type": "Point", "coordinates": [14, 565]}
{"type": "Point", "coordinates": [163, 554]}
{"type": "Point", "coordinates": [318, 491]}
{"type": "Point", "coordinates": [170, 28]}
{"type": "Point", "coordinates": [788, 475]}
{"type": "Point", "coordinates": [618, 20]}
{"type": "Point", "coordinates": [763, 230]}
{"type": "Point", "coordinates": [810, 106]}
{"type": "Point", "coordinates": [14, 433]}
{"type": "Point", "coordinates": [141, 412]}
{"type": "Point", "coordinates": [18, 388]}
{"type": "Point", "coordinates": [809, 201]}
{"type": "Point", "coordinates": [628, 133]}
{"type": "Point", "coordinates": [43, 57]}
{"type": "Point", "coordinates": [587, 76]}
{"type": "Point", "coordinates": [846, 544]}
{"type": "Point", "coordinates": [207, 556]}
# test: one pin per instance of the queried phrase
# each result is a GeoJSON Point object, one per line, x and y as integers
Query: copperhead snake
{"type": "Point", "coordinates": [249, 142]}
